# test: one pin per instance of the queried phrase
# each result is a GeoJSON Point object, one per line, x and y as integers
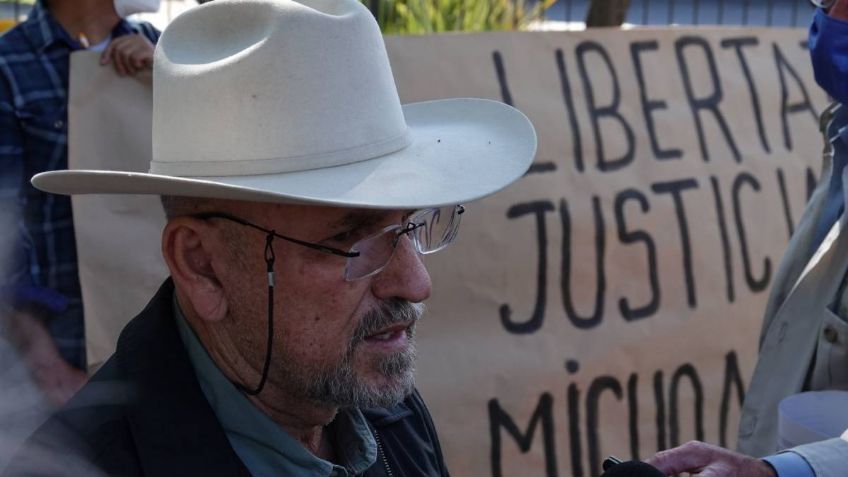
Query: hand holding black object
{"type": "Point", "coordinates": [707, 460]}
{"type": "Point", "coordinates": [634, 468]}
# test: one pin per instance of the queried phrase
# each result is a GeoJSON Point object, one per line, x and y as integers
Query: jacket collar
{"type": "Point", "coordinates": [175, 429]}
{"type": "Point", "coordinates": [383, 416]}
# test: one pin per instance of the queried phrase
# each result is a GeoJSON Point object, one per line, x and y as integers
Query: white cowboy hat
{"type": "Point", "coordinates": [277, 101]}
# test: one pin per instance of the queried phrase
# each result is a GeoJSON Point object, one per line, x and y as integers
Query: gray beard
{"type": "Point", "coordinates": [341, 386]}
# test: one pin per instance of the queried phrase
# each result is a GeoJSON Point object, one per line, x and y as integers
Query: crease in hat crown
{"type": "Point", "coordinates": [312, 79]}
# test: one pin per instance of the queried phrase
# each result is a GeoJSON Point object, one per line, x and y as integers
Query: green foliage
{"type": "Point", "coordinates": [435, 16]}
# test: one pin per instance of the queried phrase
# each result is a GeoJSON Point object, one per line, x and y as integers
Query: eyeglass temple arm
{"type": "Point", "coordinates": [314, 246]}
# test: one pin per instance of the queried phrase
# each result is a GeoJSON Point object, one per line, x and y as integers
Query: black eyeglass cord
{"type": "Point", "coordinates": [270, 257]}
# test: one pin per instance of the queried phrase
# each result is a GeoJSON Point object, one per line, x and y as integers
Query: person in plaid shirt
{"type": "Point", "coordinates": [43, 313]}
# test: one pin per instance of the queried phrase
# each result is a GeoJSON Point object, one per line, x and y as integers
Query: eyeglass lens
{"type": "Point", "coordinates": [435, 229]}
{"type": "Point", "coordinates": [440, 228]}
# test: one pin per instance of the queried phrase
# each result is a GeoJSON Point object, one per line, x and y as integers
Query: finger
{"type": "Point", "coordinates": [746, 468]}
{"type": "Point", "coordinates": [109, 53]}
{"type": "Point", "coordinates": [136, 58]}
{"type": "Point", "coordinates": [143, 53]}
{"type": "Point", "coordinates": [127, 62]}
{"type": "Point", "coordinates": [106, 56]}
{"type": "Point", "coordinates": [142, 59]}
{"type": "Point", "coordinates": [715, 472]}
{"type": "Point", "coordinates": [147, 59]}
{"type": "Point", "coordinates": [117, 61]}
{"type": "Point", "coordinates": [125, 56]}
{"type": "Point", "coordinates": [690, 457]}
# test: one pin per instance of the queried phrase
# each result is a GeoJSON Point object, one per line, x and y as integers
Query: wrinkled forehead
{"type": "Point", "coordinates": [313, 217]}
{"type": "Point", "coordinates": [355, 218]}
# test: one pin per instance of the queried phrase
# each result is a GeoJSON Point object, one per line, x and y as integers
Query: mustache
{"type": "Point", "coordinates": [391, 312]}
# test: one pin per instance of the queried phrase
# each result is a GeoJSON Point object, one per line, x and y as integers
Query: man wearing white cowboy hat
{"type": "Point", "coordinates": [299, 195]}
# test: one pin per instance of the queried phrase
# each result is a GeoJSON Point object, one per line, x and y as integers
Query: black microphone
{"type": "Point", "coordinates": [633, 468]}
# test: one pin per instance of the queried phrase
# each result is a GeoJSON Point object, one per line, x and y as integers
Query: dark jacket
{"type": "Point", "coordinates": [143, 413]}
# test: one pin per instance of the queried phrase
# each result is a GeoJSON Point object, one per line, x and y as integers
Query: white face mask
{"type": "Point", "coordinates": [125, 8]}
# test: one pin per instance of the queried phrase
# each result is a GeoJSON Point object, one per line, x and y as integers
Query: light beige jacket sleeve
{"type": "Point", "coordinates": [827, 458]}
{"type": "Point", "coordinates": [771, 382]}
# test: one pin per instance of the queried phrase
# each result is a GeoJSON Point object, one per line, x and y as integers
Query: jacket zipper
{"type": "Point", "coordinates": [382, 454]}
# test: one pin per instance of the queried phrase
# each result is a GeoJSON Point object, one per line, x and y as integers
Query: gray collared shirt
{"type": "Point", "coordinates": [261, 444]}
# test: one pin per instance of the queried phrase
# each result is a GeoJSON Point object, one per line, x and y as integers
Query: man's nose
{"type": "Point", "coordinates": [405, 276]}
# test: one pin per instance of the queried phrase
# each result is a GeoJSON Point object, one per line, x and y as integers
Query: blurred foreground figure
{"type": "Point", "coordinates": [300, 195]}
{"type": "Point", "coordinates": [804, 341]}
{"type": "Point", "coordinates": [43, 313]}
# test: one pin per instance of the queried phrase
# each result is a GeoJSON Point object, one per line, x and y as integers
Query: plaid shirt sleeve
{"type": "Point", "coordinates": [11, 162]}
{"type": "Point", "coordinates": [17, 286]}
{"type": "Point", "coordinates": [147, 30]}
{"type": "Point", "coordinates": [37, 246]}
{"type": "Point", "coordinates": [11, 150]}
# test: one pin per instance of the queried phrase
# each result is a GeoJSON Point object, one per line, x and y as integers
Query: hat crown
{"type": "Point", "coordinates": [244, 87]}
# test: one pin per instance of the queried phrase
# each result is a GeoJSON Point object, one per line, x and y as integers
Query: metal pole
{"type": "Point", "coordinates": [745, 7]}
{"type": "Point", "coordinates": [696, 6]}
{"type": "Point", "coordinates": [670, 12]}
{"type": "Point", "coordinates": [769, 12]}
{"type": "Point", "coordinates": [795, 12]}
{"type": "Point", "coordinates": [646, 5]}
{"type": "Point", "coordinates": [720, 13]}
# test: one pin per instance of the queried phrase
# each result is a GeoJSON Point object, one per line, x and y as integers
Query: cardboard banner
{"type": "Point", "coordinates": [610, 301]}
{"type": "Point", "coordinates": [120, 265]}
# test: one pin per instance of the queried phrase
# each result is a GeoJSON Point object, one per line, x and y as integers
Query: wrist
{"type": "Point", "coordinates": [32, 340]}
{"type": "Point", "coordinates": [768, 469]}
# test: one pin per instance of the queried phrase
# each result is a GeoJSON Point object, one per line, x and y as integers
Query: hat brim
{"type": "Point", "coordinates": [461, 150]}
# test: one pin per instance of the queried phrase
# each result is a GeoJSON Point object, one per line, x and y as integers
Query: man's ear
{"type": "Point", "coordinates": [188, 250]}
